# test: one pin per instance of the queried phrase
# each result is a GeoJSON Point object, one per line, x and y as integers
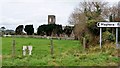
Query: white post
{"type": "Point", "coordinates": [30, 50]}
{"type": "Point", "coordinates": [100, 38]}
{"type": "Point", "coordinates": [24, 50]}
{"type": "Point", "coordinates": [116, 37]}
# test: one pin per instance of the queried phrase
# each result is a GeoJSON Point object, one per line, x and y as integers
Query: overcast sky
{"type": "Point", "coordinates": [23, 12]}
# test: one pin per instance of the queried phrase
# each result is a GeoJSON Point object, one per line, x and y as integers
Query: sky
{"type": "Point", "coordinates": [25, 12]}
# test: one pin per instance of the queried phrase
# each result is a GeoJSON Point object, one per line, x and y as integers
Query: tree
{"type": "Point", "coordinates": [68, 30]}
{"type": "Point", "coordinates": [59, 30]}
{"type": "Point", "coordinates": [85, 18]}
{"type": "Point", "coordinates": [3, 30]}
{"type": "Point", "coordinates": [29, 29]}
{"type": "Point", "coordinates": [50, 29]}
{"type": "Point", "coordinates": [41, 30]}
{"type": "Point", "coordinates": [115, 16]}
{"type": "Point", "coordinates": [19, 30]}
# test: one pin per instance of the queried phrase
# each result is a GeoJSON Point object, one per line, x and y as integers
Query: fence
{"type": "Point", "coordinates": [37, 36]}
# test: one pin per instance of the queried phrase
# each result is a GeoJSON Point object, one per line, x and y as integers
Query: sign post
{"type": "Point", "coordinates": [109, 25]}
{"type": "Point", "coordinates": [100, 37]}
{"type": "Point", "coordinates": [116, 37]}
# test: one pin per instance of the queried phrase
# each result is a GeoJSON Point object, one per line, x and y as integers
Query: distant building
{"type": "Point", "coordinates": [6, 32]}
{"type": "Point", "coordinates": [9, 32]}
{"type": "Point", "coordinates": [51, 19]}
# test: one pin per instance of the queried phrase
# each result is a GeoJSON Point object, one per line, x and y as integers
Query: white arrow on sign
{"type": "Point", "coordinates": [108, 24]}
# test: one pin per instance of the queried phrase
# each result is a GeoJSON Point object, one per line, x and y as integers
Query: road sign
{"type": "Point", "coordinates": [108, 24]}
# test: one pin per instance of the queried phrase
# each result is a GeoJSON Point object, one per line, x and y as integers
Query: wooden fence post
{"type": "Point", "coordinates": [51, 41]}
{"type": "Point", "coordinates": [84, 43]}
{"type": "Point", "coordinates": [13, 49]}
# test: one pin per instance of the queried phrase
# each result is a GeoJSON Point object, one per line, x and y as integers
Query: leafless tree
{"type": "Point", "coordinates": [89, 13]}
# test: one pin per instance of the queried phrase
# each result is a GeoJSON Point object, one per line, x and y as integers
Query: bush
{"type": "Point", "coordinates": [108, 37]}
{"type": "Point", "coordinates": [91, 24]}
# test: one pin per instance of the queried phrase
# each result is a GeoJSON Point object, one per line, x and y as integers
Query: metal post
{"type": "Point", "coordinates": [100, 38]}
{"type": "Point", "coordinates": [116, 37]}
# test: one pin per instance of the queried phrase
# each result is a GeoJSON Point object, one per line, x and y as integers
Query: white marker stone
{"type": "Point", "coordinates": [30, 50]}
{"type": "Point", "coordinates": [24, 50]}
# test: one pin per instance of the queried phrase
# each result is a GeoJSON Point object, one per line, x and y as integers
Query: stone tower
{"type": "Point", "coordinates": [51, 19]}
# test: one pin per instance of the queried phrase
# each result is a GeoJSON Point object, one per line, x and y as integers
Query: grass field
{"type": "Point", "coordinates": [66, 53]}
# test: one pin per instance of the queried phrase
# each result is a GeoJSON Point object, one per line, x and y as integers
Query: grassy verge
{"type": "Point", "coordinates": [66, 53]}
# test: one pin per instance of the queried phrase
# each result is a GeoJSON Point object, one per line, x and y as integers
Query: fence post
{"type": "Point", "coordinates": [51, 41]}
{"type": "Point", "coordinates": [84, 43]}
{"type": "Point", "coordinates": [13, 49]}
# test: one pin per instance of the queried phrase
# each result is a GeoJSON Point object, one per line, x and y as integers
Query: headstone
{"type": "Point", "coordinates": [30, 50]}
{"type": "Point", "coordinates": [24, 50]}
{"type": "Point", "coordinates": [48, 37]}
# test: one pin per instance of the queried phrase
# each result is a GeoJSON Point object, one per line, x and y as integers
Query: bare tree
{"type": "Point", "coordinates": [85, 18]}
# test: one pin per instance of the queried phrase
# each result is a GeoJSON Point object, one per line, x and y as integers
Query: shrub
{"type": "Point", "coordinates": [107, 36]}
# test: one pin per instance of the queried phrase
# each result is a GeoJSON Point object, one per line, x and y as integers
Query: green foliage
{"type": "Point", "coordinates": [68, 30]}
{"type": "Point", "coordinates": [49, 29]}
{"type": "Point", "coordinates": [93, 27]}
{"type": "Point", "coordinates": [19, 30]}
{"type": "Point", "coordinates": [87, 15]}
{"type": "Point", "coordinates": [107, 36]}
{"type": "Point", "coordinates": [29, 29]}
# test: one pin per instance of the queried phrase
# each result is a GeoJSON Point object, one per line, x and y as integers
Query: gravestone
{"type": "Point", "coordinates": [25, 48]}
{"type": "Point", "coordinates": [30, 50]}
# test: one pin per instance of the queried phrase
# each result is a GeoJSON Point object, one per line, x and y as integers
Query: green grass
{"type": "Point", "coordinates": [66, 53]}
